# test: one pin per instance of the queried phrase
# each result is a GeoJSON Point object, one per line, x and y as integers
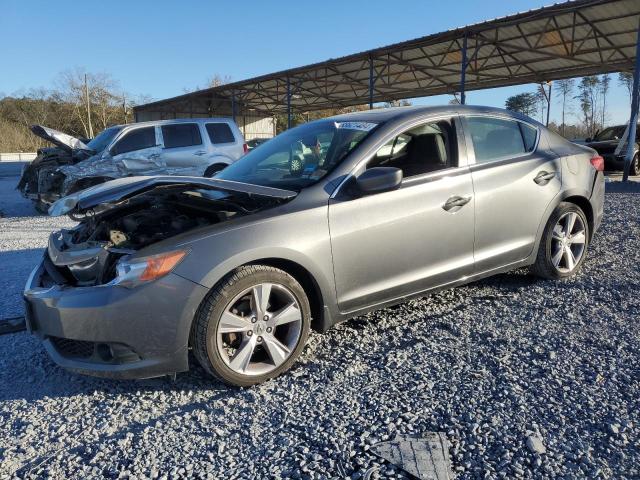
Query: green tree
{"type": "Point", "coordinates": [525, 103]}
{"type": "Point", "coordinates": [605, 81]}
{"type": "Point", "coordinates": [589, 98]}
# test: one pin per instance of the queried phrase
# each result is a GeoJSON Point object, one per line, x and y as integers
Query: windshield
{"type": "Point", "coordinates": [299, 157]}
{"type": "Point", "coordinates": [611, 133]}
{"type": "Point", "coordinates": [103, 139]}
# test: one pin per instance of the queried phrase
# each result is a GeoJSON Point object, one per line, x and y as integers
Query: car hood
{"type": "Point", "coordinates": [110, 194]}
{"type": "Point", "coordinates": [61, 140]}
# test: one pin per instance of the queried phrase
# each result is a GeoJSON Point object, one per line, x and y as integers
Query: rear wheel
{"type": "Point", "coordinates": [252, 326]}
{"type": "Point", "coordinates": [563, 246]}
{"type": "Point", "coordinates": [213, 169]}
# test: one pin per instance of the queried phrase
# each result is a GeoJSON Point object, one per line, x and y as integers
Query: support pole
{"type": "Point", "coordinates": [86, 92]}
{"type": "Point", "coordinates": [463, 70]}
{"type": "Point", "coordinates": [549, 103]}
{"type": "Point", "coordinates": [371, 82]}
{"type": "Point", "coordinates": [633, 121]}
{"type": "Point", "coordinates": [233, 105]}
{"type": "Point", "coordinates": [288, 103]}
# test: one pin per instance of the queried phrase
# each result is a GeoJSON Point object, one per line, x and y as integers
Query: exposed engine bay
{"type": "Point", "coordinates": [87, 254]}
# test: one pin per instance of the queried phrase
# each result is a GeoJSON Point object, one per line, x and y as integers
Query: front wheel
{"type": "Point", "coordinates": [635, 165]}
{"type": "Point", "coordinates": [252, 326]}
{"type": "Point", "coordinates": [563, 246]}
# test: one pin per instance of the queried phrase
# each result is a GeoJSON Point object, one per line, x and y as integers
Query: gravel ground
{"type": "Point", "coordinates": [528, 378]}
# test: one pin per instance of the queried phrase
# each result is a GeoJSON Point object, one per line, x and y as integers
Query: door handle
{"type": "Point", "coordinates": [199, 152]}
{"type": "Point", "coordinates": [154, 156]}
{"type": "Point", "coordinates": [543, 177]}
{"type": "Point", "coordinates": [455, 203]}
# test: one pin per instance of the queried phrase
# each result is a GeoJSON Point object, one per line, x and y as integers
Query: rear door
{"type": "Point", "coordinates": [226, 140]}
{"type": "Point", "coordinates": [388, 245]}
{"type": "Point", "coordinates": [183, 146]}
{"type": "Point", "coordinates": [514, 182]}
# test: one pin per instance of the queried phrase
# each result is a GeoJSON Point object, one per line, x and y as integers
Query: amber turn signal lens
{"type": "Point", "coordinates": [159, 265]}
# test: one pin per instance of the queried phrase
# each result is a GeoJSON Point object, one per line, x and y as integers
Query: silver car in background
{"type": "Point", "coordinates": [326, 221]}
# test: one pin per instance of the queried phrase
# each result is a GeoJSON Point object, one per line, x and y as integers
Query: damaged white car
{"type": "Point", "coordinates": [194, 147]}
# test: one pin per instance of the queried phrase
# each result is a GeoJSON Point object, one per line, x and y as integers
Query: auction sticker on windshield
{"type": "Point", "coordinates": [362, 126]}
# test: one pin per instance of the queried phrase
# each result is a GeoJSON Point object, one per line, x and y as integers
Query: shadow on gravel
{"type": "Point", "coordinates": [15, 267]}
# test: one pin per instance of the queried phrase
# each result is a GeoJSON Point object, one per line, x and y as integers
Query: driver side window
{"type": "Point", "coordinates": [137, 139]}
{"type": "Point", "coordinates": [427, 148]}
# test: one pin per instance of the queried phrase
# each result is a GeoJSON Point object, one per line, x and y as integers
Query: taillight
{"type": "Point", "coordinates": [598, 163]}
{"type": "Point", "coordinates": [245, 147]}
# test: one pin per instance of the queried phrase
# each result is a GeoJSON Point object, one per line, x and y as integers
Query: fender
{"type": "Point", "coordinates": [219, 159]}
{"type": "Point", "coordinates": [557, 200]}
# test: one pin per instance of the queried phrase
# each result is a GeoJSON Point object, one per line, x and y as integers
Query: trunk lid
{"type": "Point", "coordinates": [61, 140]}
{"type": "Point", "coordinates": [110, 194]}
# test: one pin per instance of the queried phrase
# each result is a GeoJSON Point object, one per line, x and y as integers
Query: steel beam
{"type": "Point", "coordinates": [288, 103]}
{"type": "Point", "coordinates": [633, 121]}
{"type": "Point", "coordinates": [549, 103]}
{"type": "Point", "coordinates": [233, 105]}
{"type": "Point", "coordinates": [463, 70]}
{"type": "Point", "coordinates": [371, 82]}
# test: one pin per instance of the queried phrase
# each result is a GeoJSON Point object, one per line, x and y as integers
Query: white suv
{"type": "Point", "coordinates": [190, 146]}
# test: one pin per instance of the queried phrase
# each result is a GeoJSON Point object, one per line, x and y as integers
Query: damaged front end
{"type": "Point", "coordinates": [97, 250]}
{"type": "Point", "coordinates": [42, 179]}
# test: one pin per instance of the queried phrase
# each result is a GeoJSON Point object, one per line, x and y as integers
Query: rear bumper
{"type": "Point", "coordinates": [597, 200]}
{"type": "Point", "coordinates": [112, 331]}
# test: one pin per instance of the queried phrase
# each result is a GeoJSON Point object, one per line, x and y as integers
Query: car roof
{"type": "Point", "coordinates": [381, 115]}
{"type": "Point", "coordinates": [179, 120]}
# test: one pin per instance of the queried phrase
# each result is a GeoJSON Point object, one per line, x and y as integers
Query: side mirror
{"type": "Point", "coordinates": [588, 139]}
{"type": "Point", "coordinates": [379, 179]}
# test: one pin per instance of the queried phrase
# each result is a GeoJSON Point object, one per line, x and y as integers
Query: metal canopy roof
{"type": "Point", "coordinates": [577, 38]}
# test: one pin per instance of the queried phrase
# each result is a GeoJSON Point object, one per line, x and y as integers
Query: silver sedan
{"type": "Point", "coordinates": [327, 221]}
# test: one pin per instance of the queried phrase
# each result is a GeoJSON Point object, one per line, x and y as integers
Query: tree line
{"type": "Point", "coordinates": [81, 104]}
{"type": "Point", "coordinates": [584, 99]}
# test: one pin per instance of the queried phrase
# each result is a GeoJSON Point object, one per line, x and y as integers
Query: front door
{"type": "Point", "coordinates": [392, 244]}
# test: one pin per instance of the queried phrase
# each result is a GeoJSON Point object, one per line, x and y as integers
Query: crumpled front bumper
{"type": "Point", "coordinates": [113, 331]}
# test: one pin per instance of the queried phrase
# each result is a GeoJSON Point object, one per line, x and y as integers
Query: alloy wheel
{"type": "Point", "coordinates": [259, 329]}
{"type": "Point", "coordinates": [568, 242]}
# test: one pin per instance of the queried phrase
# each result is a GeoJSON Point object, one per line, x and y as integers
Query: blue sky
{"type": "Point", "coordinates": [159, 48]}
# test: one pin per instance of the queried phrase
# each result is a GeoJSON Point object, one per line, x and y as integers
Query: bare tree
{"type": "Point", "coordinates": [564, 90]}
{"type": "Point", "coordinates": [99, 98]}
{"type": "Point", "coordinates": [625, 79]}
{"type": "Point", "coordinates": [216, 80]}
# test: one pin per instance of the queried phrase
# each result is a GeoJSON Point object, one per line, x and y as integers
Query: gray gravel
{"type": "Point", "coordinates": [528, 378]}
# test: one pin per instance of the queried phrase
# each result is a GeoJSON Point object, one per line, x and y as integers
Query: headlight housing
{"type": "Point", "coordinates": [133, 272]}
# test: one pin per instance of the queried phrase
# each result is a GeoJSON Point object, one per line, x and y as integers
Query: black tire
{"type": "Point", "coordinates": [204, 330]}
{"type": "Point", "coordinates": [634, 169]}
{"type": "Point", "coordinates": [543, 266]}
{"type": "Point", "coordinates": [41, 207]}
{"type": "Point", "coordinates": [213, 169]}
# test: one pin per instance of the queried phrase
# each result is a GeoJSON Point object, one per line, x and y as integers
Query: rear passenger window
{"type": "Point", "coordinates": [220, 133]}
{"type": "Point", "coordinates": [181, 135]}
{"type": "Point", "coordinates": [494, 138]}
{"type": "Point", "coordinates": [530, 136]}
{"type": "Point", "coordinates": [135, 140]}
